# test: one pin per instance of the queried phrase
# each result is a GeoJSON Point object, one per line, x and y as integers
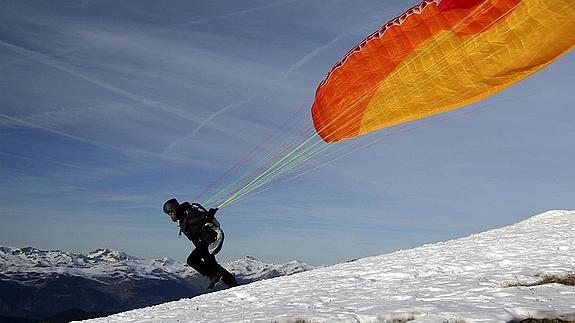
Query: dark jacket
{"type": "Point", "coordinates": [196, 223]}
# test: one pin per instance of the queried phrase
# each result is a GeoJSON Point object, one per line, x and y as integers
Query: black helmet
{"type": "Point", "coordinates": [171, 205]}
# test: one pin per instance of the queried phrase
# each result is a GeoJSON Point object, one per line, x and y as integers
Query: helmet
{"type": "Point", "coordinates": [171, 205]}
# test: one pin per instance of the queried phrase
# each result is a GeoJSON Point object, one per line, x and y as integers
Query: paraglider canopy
{"type": "Point", "coordinates": [438, 56]}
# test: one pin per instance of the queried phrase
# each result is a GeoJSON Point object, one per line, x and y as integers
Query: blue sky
{"type": "Point", "coordinates": [109, 108]}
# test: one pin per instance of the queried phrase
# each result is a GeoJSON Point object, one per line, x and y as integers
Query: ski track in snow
{"type": "Point", "coordinates": [455, 281]}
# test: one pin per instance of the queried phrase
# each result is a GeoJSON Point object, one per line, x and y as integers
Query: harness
{"type": "Point", "coordinates": [210, 224]}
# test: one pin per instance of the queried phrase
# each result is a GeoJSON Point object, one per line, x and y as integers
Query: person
{"type": "Point", "coordinates": [200, 226]}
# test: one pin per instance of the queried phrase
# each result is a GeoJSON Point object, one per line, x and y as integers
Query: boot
{"type": "Point", "coordinates": [228, 278]}
{"type": "Point", "coordinates": [215, 278]}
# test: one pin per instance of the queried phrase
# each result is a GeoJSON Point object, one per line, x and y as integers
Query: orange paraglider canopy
{"type": "Point", "coordinates": [438, 56]}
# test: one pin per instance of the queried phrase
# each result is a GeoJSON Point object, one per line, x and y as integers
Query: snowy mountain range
{"type": "Point", "coordinates": [36, 284]}
{"type": "Point", "coordinates": [484, 277]}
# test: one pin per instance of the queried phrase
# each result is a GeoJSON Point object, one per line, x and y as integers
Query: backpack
{"type": "Point", "coordinates": [213, 233]}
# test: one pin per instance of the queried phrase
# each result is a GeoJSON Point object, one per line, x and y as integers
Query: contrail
{"type": "Point", "coordinates": [47, 60]}
{"type": "Point", "coordinates": [54, 131]}
{"type": "Point", "coordinates": [208, 120]}
{"type": "Point", "coordinates": [52, 63]}
{"type": "Point", "coordinates": [226, 108]}
{"type": "Point", "coordinates": [67, 165]}
{"type": "Point", "coordinates": [201, 123]}
{"type": "Point", "coordinates": [96, 144]}
{"type": "Point", "coordinates": [236, 13]}
{"type": "Point", "coordinates": [306, 58]}
{"type": "Point", "coordinates": [302, 61]}
{"type": "Point", "coordinates": [142, 100]}
{"type": "Point", "coordinates": [168, 28]}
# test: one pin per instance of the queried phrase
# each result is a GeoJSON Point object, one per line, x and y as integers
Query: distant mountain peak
{"type": "Point", "coordinates": [248, 259]}
{"type": "Point", "coordinates": [109, 255]}
{"type": "Point", "coordinates": [110, 279]}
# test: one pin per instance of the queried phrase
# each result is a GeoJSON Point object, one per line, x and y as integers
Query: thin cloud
{"type": "Point", "coordinates": [54, 131]}
{"type": "Point", "coordinates": [228, 15]}
{"type": "Point", "coordinates": [177, 159]}
{"type": "Point", "coordinates": [291, 69]}
{"type": "Point", "coordinates": [306, 58]}
{"type": "Point", "coordinates": [38, 57]}
{"type": "Point", "coordinates": [54, 162]}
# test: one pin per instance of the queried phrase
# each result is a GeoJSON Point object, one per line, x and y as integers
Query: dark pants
{"type": "Point", "coordinates": [202, 261]}
{"type": "Point", "coordinates": [205, 264]}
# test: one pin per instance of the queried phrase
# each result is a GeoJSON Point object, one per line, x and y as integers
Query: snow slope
{"type": "Point", "coordinates": [455, 281]}
{"type": "Point", "coordinates": [38, 284]}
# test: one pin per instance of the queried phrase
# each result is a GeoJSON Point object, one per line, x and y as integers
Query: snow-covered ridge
{"type": "Point", "coordinates": [32, 257]}
{"type": "Point", "coordinates": [30, 264]}
{"type": "Point", "coordinates": [459, 280]}
{"type": "Point", "coordinates": [106, 280]}
{"type": "Point", "coordinates": [254, 269]}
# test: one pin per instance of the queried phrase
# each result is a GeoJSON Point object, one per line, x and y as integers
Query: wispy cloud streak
{"type": "Point", "coordinates": [291, 69]}
{"type": "Point", "coordinates": [54, 131]}
{"type": "Point", "coordinates": [228, 15]}
{"type": "Point", "coordinates": [38, 57]}
{"type": "Point", "coordinates": [309, 56]}
{"type": "Point", "coordinates": [100, 145]}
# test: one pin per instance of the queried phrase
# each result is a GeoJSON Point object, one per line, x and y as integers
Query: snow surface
{"type": "Point", "coordinates": [460, 280]}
